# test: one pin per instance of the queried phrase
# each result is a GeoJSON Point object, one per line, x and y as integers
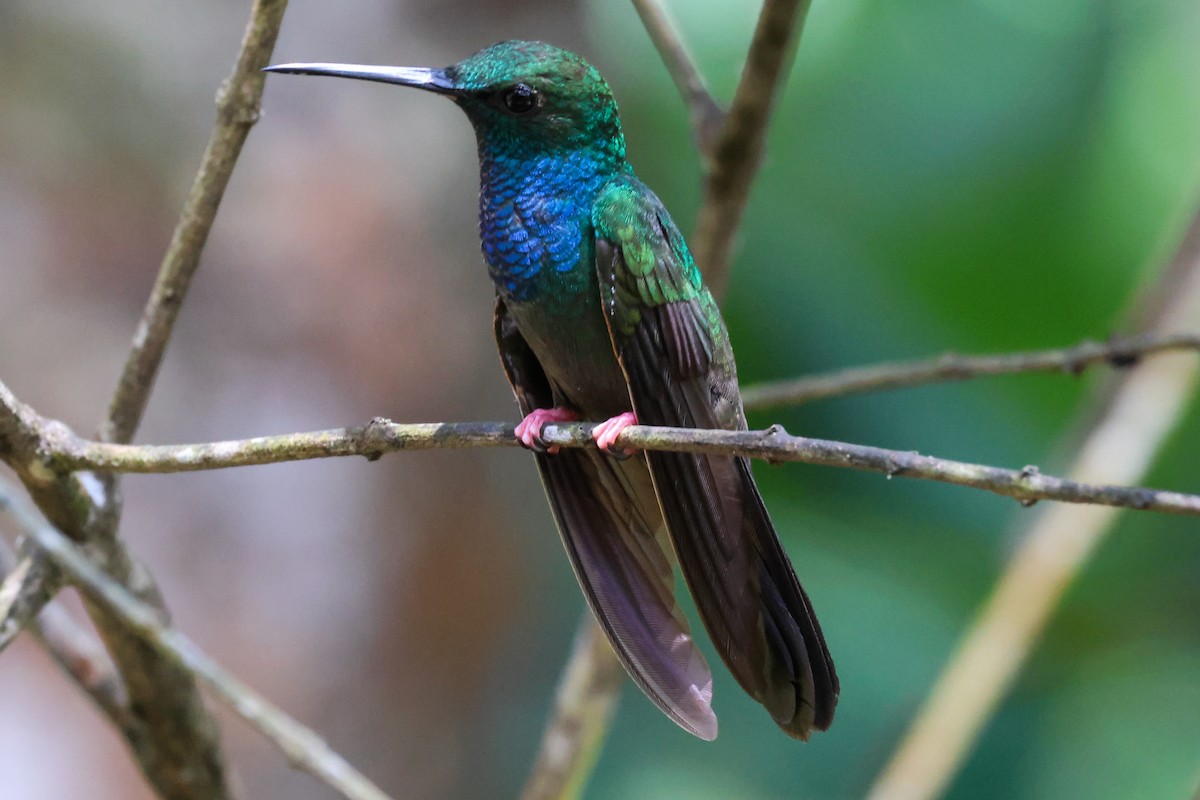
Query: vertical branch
{"type": "Point", "coordinates": [76, 651]}
{"type": "Point", "coordinates": [238, 108]}
{"type": "Point", "coordinates": [706, 116]}
{"type": "Point", "coordinates": [1121, 445]}
{"type": "Point", "coordinates": [174, 738]}
{"type": "Point", "coordinates": [583, 709]}
{"type": "Point", "coordinates": [734, 160]}
{"type": "Point", "coordinates": [27, 588]}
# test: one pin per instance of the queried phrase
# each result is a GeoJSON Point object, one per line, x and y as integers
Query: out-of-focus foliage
{"type": "Point", "coordinates": [944, 174]}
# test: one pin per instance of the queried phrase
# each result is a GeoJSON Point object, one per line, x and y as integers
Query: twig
{"type": "Point", "coordinates": [27, 588]}
{"type": "Point", "coordinates": [586, 700]}
{"type": "Point", "coordinates": [74, 649]}
{"type": "Point", "coordinates": [738, 150]}
{"type": "Point", "coordinates": [1117, 352]}
{"type": "Point", "coordinates": [83, 658]}
{"type": "Point", "coordinates": [173, 736]}
{"type": "Point", "coordinates": [774, 444]}
{"type": "Point", "coordinates": [1122, 444]}
{"type": "Point", "coordinates": [238, 108]}
{"type": "Point", "coordinates": [180, 750]}
{"type": "Point", "coordinates": [302, 746]}
{"type": "Point", "coordinates": [62, 498]}
{"type": "Point", "coordinates": [706, 116]}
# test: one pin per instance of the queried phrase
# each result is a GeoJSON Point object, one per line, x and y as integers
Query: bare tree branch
{"type": "Point", "coordinates": [706, 116]}
{"type": "Point", "coordinates": [302, 746]}
{"type": "Point", "coordinates": [173, 737]}
{"type": "Point", "coordinates": [82, 657]}
{"type": "Point", "coordinates": [68, 452]}
{"type": "Point", "coordinates": [1144, 408]}
{"type": "Point", "coordinates": [27, 588]}
{"type": "Point", "coordinates": [586, 700]}
{"type": "Point", "coordinates": [179, 751]}
{"type": "Point", "coordinates": [1118, 352]}
{"type": "Point", "coordinates": [238, 108]}
{"type": "Point", "coordinates": [76, 651]}
{"type": "Point", "coordinates": [774, 444]}
{"type": "Point", "coordinates": [738, 151]}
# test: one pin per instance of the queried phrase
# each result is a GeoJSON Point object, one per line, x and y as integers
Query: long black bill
{"type": "Point", "coordinates": [433, 80]}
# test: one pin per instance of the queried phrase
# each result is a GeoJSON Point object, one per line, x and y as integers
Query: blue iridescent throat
{"type": "Point", "coordinates": [535, 214]}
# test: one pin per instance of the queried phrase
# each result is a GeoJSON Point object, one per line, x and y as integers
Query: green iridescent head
{"type": "Point", "coordinates": [539, 92]}
{"type": "Point", "coordinates": [519, 96]}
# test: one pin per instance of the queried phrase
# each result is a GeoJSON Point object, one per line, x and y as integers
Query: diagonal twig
{"type": "Point", "coordinates": [238, 108]}
{"type": "Point", "coordinates": [735, 158]}
{"type": "Point", "coordinates": [80, 655]}
{"type": "Point", "coordinates": [172, 735]}
{"type": "Point", "coordinates": [705, 115]}
{"type": "Point", "coordinates": [1142, 410]}
{"type": "Point", "coordinates": [731, 142]}
{"type": "Point", "coordinates": [179, 751]}
{"type": "Point", "coordinates": [1117, 352]}
{"type": "Point", "coordinates": [302, 746]}
{"type": "Point", "coordinates": [27, 588]}
{"type": "Point", "coordinates": [583, 708]}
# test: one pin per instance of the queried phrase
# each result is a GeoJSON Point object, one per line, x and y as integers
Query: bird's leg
{"type": "Point", "coordinates": [529, 431]}
{"type": "Point", "coordinates": [606, 432]}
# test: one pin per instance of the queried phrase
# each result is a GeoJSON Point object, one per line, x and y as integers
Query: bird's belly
{"type": "Point", "coordinates": [572, 344]}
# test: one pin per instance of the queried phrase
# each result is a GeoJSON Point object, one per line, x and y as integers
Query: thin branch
{"type": "Point", "coordinates": [1143, 410]}
{"type": "Point", "coordinates": [706, 116]}
{"type": "Point", "coordinates": [380, 436]}
{"type": "Point", "coordinates": [170, 733]}
{"type": "Point", "coordinates": [27, 588]}
{"type": "Point", "coordinates": [179, 751]}
{"type": "Point", "coordinates": [583, 708]}
{"type": "Point", "coordinates": [738, 151]}
{"type": "Point", "coordinates": [238, 108]}
{"type": "Point", "coordinates": [62, 498]}
{"type": "Point", "coordinates": [302, 746]}
{"type": "Point", "coordinates": [82, 657]}
{"type": "Point", "coordinates": [174, 738]}
{"type": "Point", "coordinates": [1118, 352]}
{"type": "Point", "coordinates": [76, 651]}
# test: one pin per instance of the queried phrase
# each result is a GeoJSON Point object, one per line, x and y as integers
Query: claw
{"type": "Point", "coordinates": [529, 431]}
{"type": "Point", "coordinates": [606, 433]}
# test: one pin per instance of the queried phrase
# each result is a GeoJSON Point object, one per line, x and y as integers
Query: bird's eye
{"type": "Point", "coordinates": [521, 98]}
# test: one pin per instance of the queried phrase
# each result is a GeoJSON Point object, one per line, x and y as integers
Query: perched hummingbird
{"type": "Point", "coordinates": [601, 314]}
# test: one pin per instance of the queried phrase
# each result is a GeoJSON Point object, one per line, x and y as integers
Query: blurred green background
{"type": "Point", "coordinates": [978, 175]}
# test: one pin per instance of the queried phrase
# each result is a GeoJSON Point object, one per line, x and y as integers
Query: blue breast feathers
{"type": "Point", "coordinates": [533, 216]}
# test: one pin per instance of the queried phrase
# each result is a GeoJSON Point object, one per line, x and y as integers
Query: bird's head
{"type": "Point", "coordinates": [520, 96]}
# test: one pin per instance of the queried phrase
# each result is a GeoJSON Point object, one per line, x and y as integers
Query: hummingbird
{"type": "Point", "coordinates": [601, 314]}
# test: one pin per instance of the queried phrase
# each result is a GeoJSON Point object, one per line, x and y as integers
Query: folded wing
{"type": "Point", "coordinates": [671, 343]}
{"type": "Point", "coordinates": [620, 564]}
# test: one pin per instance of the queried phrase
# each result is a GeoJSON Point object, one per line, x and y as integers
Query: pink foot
{"type": "Point", "coordinates": [530, 429]}
{"type": "Point", "coordinates": [606, 433]}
